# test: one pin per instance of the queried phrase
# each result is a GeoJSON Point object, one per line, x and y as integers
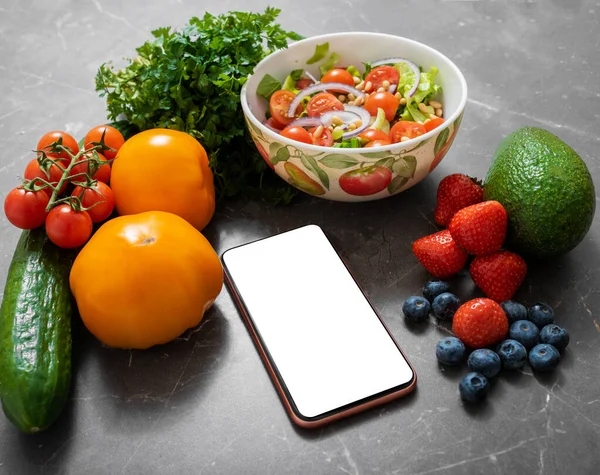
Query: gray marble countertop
{"type": "Point", "coordinates": [204, 404]}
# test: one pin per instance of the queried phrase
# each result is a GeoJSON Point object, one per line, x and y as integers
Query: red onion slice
{"type": "Point", "coordinates": [345, 115]}
{"type": "Point", "coordinates": [320, 87]}
{"type": "Point", "coordinates": [415, 69]}
{"type": "Point", "coordinates": [306, 122]}
{"type": "Point", "coordinates": [364, 116]}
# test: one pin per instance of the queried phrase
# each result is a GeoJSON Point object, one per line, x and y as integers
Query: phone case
{"type": "Point", "coordinates": [331, 416]}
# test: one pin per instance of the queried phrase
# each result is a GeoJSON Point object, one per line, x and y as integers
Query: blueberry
{"type": "Point", "coordinates": [434, 288]}
{"type": "Point", "coordinates": [525, 332]}
{"type": "Point", "coordinates": [541, 314]}
{"type": "Point", "coordinates": [485, 362]}
{"type": "Point", "coordinates": [445, 306]}
{"type": "Point", "coordinates": [416, 308]}
{"type": "Point", "coordinates": [514, 310]}
{"type": "Point", "coordinates": [473, 387]}
{"type": "Point", "coordinates": [544, 357]}
{"type": "Point", "coordinates": [450, 351]}
{"type": "Point", "coordinates": [512, 354]}
{"type": "Point", "coordinates": [556, 336]}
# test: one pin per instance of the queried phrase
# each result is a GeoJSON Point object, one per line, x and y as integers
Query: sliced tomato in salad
{"type": "Point", "coordinates": [378, 143]}
{"type": "Point", "coordinates": [279, 104]}
{"type": "Point", "coordinates": [323, 102]}
{"type": "Point", "coordinates": [295, 132]}
{"type": "Point", "coordinates": [323, 140]}
{"type": "Point", "coordinates": [382, 100]}
{"type": "Point", "coordinates": [373, 134]}
{"type": "Point", "coordinates": [273, 123]}
{"type": "Point", "coordinates": [340, 76]}
{"type": "Point", "coordinates": [406, 128]}
{"type": "Point", "coordinates": [382, 73]}
{"type": "Point", "coordinates": [303, 83]}
{"type": "Point", "coordinates": [433, 123]}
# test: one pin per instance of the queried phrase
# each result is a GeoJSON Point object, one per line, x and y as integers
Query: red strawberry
{"type": "Point", "coordinates": [499, 275]}
{"type": "Point", "coordinates": [439, 254]}
{"type": "Point", "coordinates": [480, 228]}
{"type": "Point", "coordinates": [480, 322]}
{"type": "Point", "coordinates": [455, 192]}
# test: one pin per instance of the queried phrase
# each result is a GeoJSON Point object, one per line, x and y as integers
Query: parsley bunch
{"type": "Point", "coordinates": [190, 80]}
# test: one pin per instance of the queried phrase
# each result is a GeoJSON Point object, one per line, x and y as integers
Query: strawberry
{"type": "Point", "coordinates": [499, 275]}
{"type": "Point", "coordinates": [456, 192]}
{"type": "Point", "coordinates": [480, 228]}
{"type": "Point", "coordinates": [480, 322]}
{"type": "Point", "coordinates": [439, 254]}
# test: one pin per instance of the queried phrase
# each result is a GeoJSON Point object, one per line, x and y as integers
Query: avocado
{"type": "Point", "coordinates": [547, 191]}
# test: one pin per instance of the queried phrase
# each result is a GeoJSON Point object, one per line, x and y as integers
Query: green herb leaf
{"type": "Point", "coordinates": [338, 161]}
{"type": "Point", "coordinates": [290, 81]}
{"type": "Point", "coordinates": [320, 53]}
{"type": "Point", "coordinates": [267, 86]}
{"type": "Point", "coordinates": [352, 70]}
{"type": "Point", "coordinates": [190, 80]}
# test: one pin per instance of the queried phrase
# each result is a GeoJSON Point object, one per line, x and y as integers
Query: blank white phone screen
{"type": "Point", "coordinates": [326, 341]}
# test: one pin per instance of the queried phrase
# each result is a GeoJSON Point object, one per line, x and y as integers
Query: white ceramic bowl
{"type": "Point", "coordinates": [317, 170]}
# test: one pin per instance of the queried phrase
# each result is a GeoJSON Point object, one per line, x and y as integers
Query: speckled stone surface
{"type": "Point", "coordinates": [204, 403]}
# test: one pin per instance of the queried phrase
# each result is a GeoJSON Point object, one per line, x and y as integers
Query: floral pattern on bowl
{"type": "Point", "coordinates": [335, 174]}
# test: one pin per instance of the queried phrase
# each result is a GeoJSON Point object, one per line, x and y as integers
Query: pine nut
{"type": "Point", "coordinates": [351, 103]}
{"type": "Point", "coordinates": [351, 97]}
{"type": "Point", "coordinates": [358, 101]}
{"type": "Point", "coordinates": [356, 79]}
{"type": "Point", "coordinates": [435, 104]}
{"type": "Point", "coordinates": [432, 116]}
{"type": "Point", "coordinates": [381, 89]}
{"type": "Point", "coordinates": [438, 112]}
{"type": "Point", "coordinates": [403, 101]}
{"type": "Point", "coordinates": [426, 120]}
{"type": "Point", "coordinates": [368, 86]}
{"type": "Point", "coordinates": [386, 84]}
{"type": "Point", "coordinates": [352, 127]}
{"type": "Point", "coordinates": [357, 123]}
{"type": "Point", "coordinates": [423, 107]}
{"type": "Point", "coordinates": [318, 132]}
{"type": "Point", "coordinates": [399, 97]}
{"type": "Point", "coordinates": [342, 98]}
{"type": "Point", "coordinates": [336, 120]}
{"type": "Point", "coordinates": [404, 139]}
{"type": "Point", "coordinates": [360, 86]}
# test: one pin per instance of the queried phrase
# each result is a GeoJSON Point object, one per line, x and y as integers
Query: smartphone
{"type": "Point", "coordinates": [327, 351]}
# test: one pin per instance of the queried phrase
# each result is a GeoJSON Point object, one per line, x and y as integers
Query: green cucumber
{"type": "Point", "coordinates": [35, 333]}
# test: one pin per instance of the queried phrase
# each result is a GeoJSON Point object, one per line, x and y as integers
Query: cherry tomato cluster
{"type": "Point", "coordinates": [65, 188]}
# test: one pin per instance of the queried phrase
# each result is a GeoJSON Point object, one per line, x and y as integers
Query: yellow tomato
{"type": "Point", "coordinates": [144, 279]}
{"type": "Point", "coordinates": [164, 170]}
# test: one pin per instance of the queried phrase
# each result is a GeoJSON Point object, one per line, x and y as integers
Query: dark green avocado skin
{"type": "Point", "coordinates": [546, 189]}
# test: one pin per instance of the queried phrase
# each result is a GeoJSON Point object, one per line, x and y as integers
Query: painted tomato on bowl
{"type": "Point", "coordinates": [366, 180]}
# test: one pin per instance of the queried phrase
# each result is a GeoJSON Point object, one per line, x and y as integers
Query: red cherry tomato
{"type": "Point", "coordinates": [433, 123]}
{"type": "Point", "coordinates": [303, 83]}
{"type": "Point", "coordinates": [100, 200]}
{"type": "Point", "coordinates": [102, 174]}
{"type": "Point", "coordinates": [273, 123]}
{"type": "Point", "coordinates": [67, 141]}
{"type": "Point", "coordinates": [26, 209]}
{"type": "Point", "coordinates": [279, 104]}
{"type": "Point", "coordinates": [373, 134]}
{"type": "Point", "coordinates": [382, 73]}
{"type": "Point", "coordinates": [323, 102]}
{"type": "Point", "coordinates": [338, 75]}
{"type": "Point", "coordinates": [378, 143]}
{"type": "Point", "coordinates": [68, 228]}
{"type": "Point", "coordinates": [324, 140]}
{"type": "Point", "coordinates": [33, 170]}
{"type": "Point", "coordinates": [406, 128]}
{"type": "Point", "coordinates": [366, 181]}
{"type": "Point", "coordinates": [112, 138]}
{"type": "Point", "coordinates": [382, 100]}
{"type": "Point", "coordinates": [299, 134]}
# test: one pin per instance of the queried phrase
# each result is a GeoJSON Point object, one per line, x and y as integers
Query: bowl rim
{"type": "Point", "coordinates": [400, 146]}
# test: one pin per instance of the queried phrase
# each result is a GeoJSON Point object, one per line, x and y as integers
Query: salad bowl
{"type": "Point", "coordinates": [359, 173]}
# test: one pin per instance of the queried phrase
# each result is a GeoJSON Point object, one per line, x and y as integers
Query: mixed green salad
{"type": "Point", "coordinates": [392, 100]}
